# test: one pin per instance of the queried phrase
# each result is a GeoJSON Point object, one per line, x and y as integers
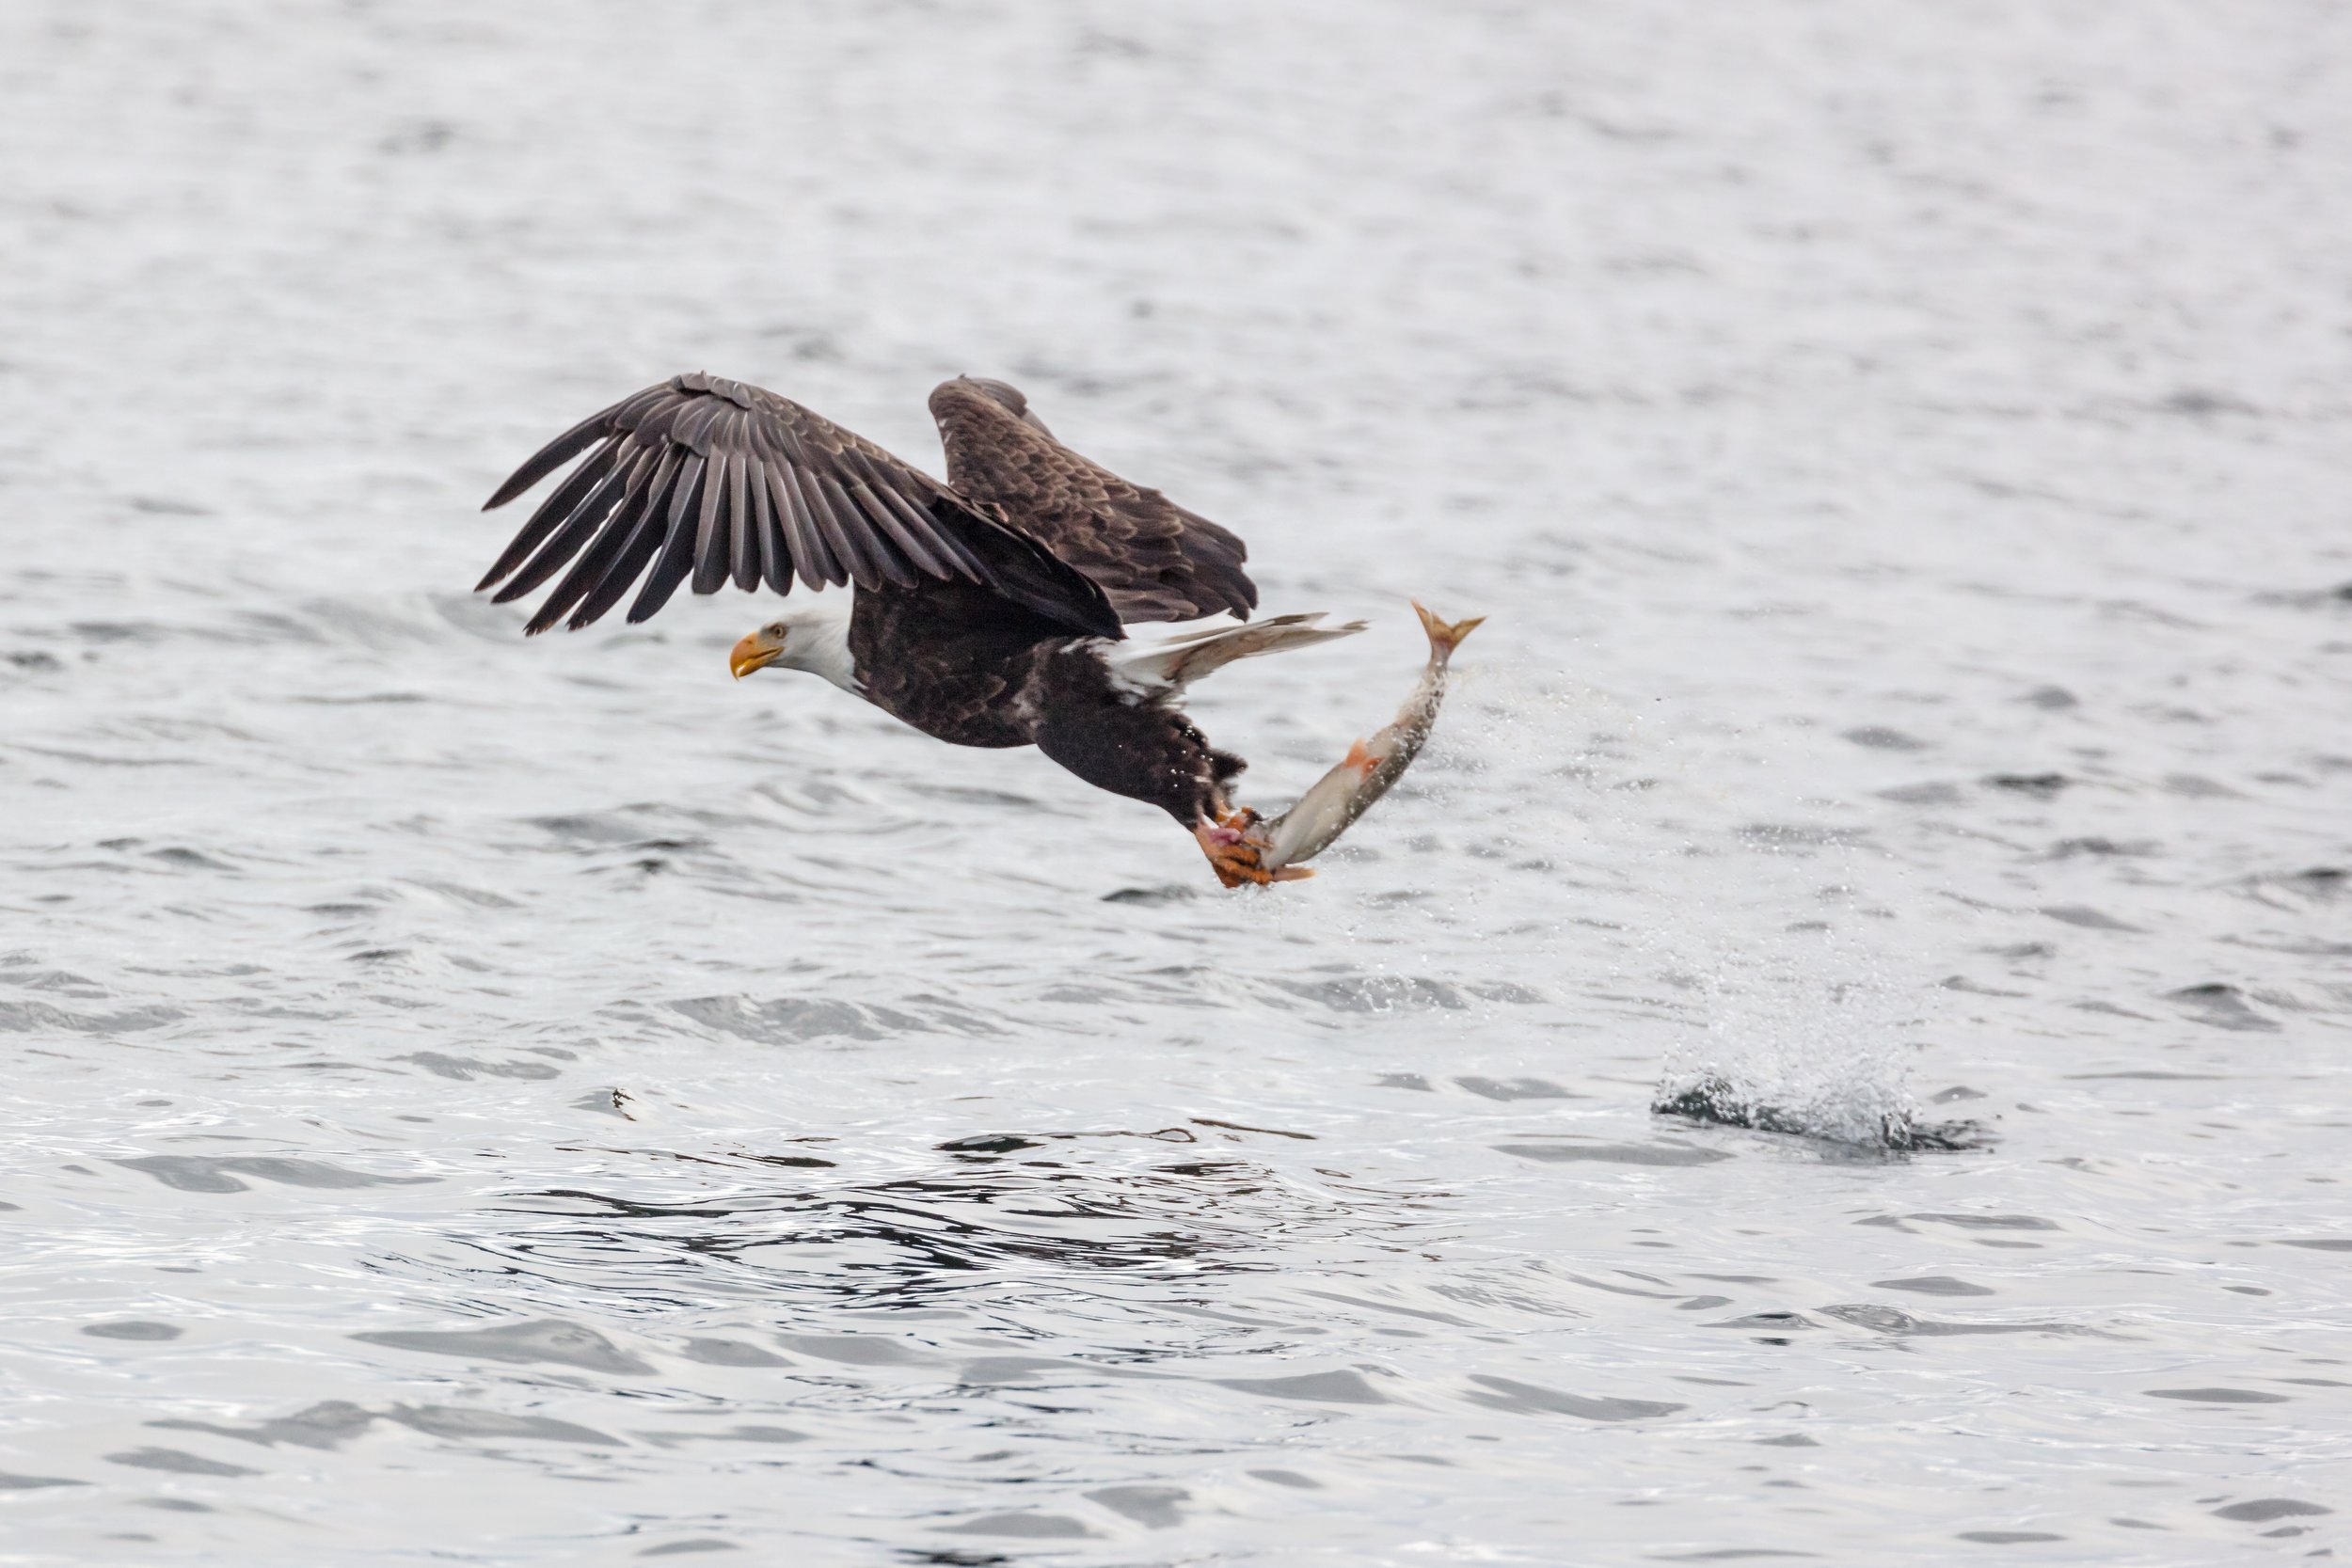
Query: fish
{"type": "Point", "coordinates": [1270, 849]}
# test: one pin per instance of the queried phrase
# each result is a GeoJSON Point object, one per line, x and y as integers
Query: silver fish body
{"type": "Point", "coordinates": [1368, 771]}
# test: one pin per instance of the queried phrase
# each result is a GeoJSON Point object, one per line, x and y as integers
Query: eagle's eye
{"type": "Point", "coordinates": [776, 631]}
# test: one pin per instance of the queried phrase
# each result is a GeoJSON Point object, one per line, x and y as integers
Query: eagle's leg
{"type": "Point", "coordinates": [1147, 749]}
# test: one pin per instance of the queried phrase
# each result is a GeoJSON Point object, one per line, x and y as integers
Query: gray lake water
{"type": "Point", "coordinates": [532, 1102]}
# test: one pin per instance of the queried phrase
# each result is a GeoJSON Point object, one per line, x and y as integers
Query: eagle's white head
{"type": "Point", "coordinates": [814, 636]}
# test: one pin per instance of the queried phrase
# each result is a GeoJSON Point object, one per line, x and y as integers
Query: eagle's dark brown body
{"type": "Point", "coordinates": [948, 660]}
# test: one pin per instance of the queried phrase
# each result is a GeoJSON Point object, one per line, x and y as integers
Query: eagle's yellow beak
{"type": "Point", "coordinates": [755, 652]}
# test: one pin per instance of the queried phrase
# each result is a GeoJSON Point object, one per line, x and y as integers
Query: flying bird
{"type": "Point", "coordinates": [993, 610]}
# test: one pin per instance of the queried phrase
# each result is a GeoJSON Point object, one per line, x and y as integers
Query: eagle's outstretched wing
{"type": "Point", "coordinates": [1157, 560]}
{"type": "Point", "coordinates": [711, 479]}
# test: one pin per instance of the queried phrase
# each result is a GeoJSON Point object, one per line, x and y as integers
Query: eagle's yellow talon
{"type": "Point", "coordinates": [1236, 853]}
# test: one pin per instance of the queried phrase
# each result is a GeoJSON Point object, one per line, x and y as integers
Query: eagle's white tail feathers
{"type": "Point", "coordinates": [1179, 660]}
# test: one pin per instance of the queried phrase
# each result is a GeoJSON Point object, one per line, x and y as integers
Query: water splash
{"type": "Point", "coordinates": [1807, 1037]}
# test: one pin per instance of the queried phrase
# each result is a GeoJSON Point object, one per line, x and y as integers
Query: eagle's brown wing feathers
{"type": "Point", "coordinates": [1157, 560]}
{"type": "Point", "coordinates": [710, 479]}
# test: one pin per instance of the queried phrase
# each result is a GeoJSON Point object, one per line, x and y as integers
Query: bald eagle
{"type": "Point", "coordinates": [989, 610]}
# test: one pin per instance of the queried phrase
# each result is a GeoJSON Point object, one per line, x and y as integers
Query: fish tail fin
{"type": "Point", "coordinates": [1445, 638]}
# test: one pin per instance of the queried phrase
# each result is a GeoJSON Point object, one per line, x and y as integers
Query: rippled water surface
{"type": "Point", "coordinates": [534, 1102]}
